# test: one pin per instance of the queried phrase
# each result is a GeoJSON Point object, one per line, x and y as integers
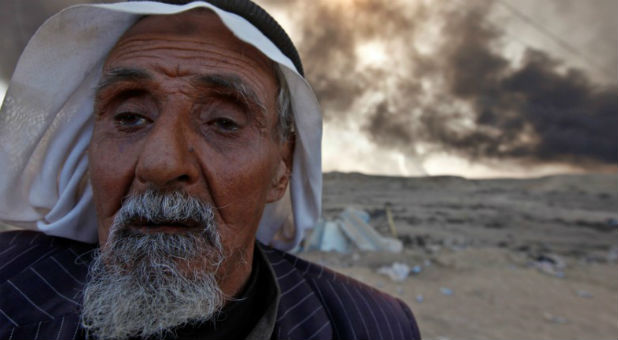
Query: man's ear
{"type": "Point", "coordinates": [283, 172]}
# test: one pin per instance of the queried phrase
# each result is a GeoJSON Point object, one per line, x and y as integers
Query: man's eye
{"type": "Point", "coordinates": [225, 124]}
{"type": "Point", "coordinates": [130, 120]}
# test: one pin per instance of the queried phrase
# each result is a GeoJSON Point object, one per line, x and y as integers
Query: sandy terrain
{"type": "Point", "coordinates": [483, 240]}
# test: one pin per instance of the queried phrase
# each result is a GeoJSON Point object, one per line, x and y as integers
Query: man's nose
{"type": "Point", "coordinates": [167, 158]}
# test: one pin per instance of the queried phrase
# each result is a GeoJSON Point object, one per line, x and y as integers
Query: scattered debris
{"type": "Point", "coordinates": [400, 271]}
{"type": "Point", "coordinates": [352, 228]}
{"type": "Point", "coordinates": [399, 290]}
{"type": "Point", "coordinates": [550, 264]}
{"type": "Point", "coordinates": [326, 236]}
{"type": "Point", "coordinates": [397, 272]}
{"type": "Point", "coordinates": [555, 318]}
{"type": "Point", "coordinates": [583, 293]}
{"type": "Point", "coordinates": [361, 214]}
{"type": "Point", "coordinates": [446, 291]}
{"type": "Point", "coordinates": [549, 269]}
{"type": "Point", "coordinates": [391, 222]}
{"type": "Point", "coordinates": [364, 236]}
{"type": "Point", "coordinates": [420, 298]}
{"type": "Point", "coordinates": [333, 238]}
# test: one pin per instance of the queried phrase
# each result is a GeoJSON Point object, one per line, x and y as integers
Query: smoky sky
{"type": "Point", "coordinates": [465, 97]}
{"type": "Point", "coordinates": [528, 111]}
{"type": "Point", "coordinates": [444, 82]}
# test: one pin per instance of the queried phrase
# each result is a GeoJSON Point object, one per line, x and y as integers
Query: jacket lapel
{"type": "Point", "coordinates": [43, 300]}
{"type": "Point", "coordinates": [301, 314]}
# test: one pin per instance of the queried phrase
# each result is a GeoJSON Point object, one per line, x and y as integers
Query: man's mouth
{"type": "Point", "coordinates": [145, 226]}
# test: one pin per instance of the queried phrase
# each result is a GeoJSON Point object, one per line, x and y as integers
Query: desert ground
{"type": "Point", "coordinates": [499, 259]}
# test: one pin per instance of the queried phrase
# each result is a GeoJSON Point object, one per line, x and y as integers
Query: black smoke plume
{"type": "Point", "coordinates": [532, 111]}
{"type": "Point", "coordinates": [479, 104]}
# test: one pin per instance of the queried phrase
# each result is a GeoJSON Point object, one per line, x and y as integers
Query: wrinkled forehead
{"type": "Point", "coordinates": [199, 26]}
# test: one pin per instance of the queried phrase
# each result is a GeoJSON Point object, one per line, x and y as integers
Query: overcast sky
{"type": "Point", "coordinates": [471, 88]}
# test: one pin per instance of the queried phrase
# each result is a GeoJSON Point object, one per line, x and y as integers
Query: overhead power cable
{"type": "Point", "coordinates": [549, 34]}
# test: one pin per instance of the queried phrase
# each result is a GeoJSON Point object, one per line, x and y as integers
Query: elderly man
{"type": "Point", "coordinates": [149, 144]}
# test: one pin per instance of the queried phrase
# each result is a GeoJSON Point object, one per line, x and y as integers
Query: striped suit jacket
{"type": "Point", "coordinates": [41, 280]}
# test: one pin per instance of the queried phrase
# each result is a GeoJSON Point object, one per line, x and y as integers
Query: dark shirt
{"type": "Point", "coordinates": [239, 316]}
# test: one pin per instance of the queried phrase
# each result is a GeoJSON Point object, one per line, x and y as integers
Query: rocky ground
{"type": "Point", "coordinates": [498, 259]}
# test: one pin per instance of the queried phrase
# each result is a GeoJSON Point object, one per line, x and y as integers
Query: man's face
{"type": "Point", "coordinates": [185, 106]}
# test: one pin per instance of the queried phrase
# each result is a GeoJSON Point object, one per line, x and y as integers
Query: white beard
{"type": "Point", "coordinates": [144, 284]}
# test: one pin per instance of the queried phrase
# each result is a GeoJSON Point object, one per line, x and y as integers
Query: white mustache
{"type": "Point", "coordinates": [157, 207]}
{"type": "Point", "coordinates": [152, 208]}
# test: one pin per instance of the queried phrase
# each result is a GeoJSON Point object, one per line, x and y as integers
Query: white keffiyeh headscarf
{"type": "Point", "coordinates": [46, 123]}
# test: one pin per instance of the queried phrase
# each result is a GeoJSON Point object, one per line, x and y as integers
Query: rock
{"type": "Point", "coordinates": [433, 248]}
{"type": "Point", "coordinates": [550, 264]}
{"type": "Point", "coordinates": [503, 244]}
{"type": "Point", "coordinates": [553, 259]}
{"type": "Point", "coordinates": [406, 240]}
